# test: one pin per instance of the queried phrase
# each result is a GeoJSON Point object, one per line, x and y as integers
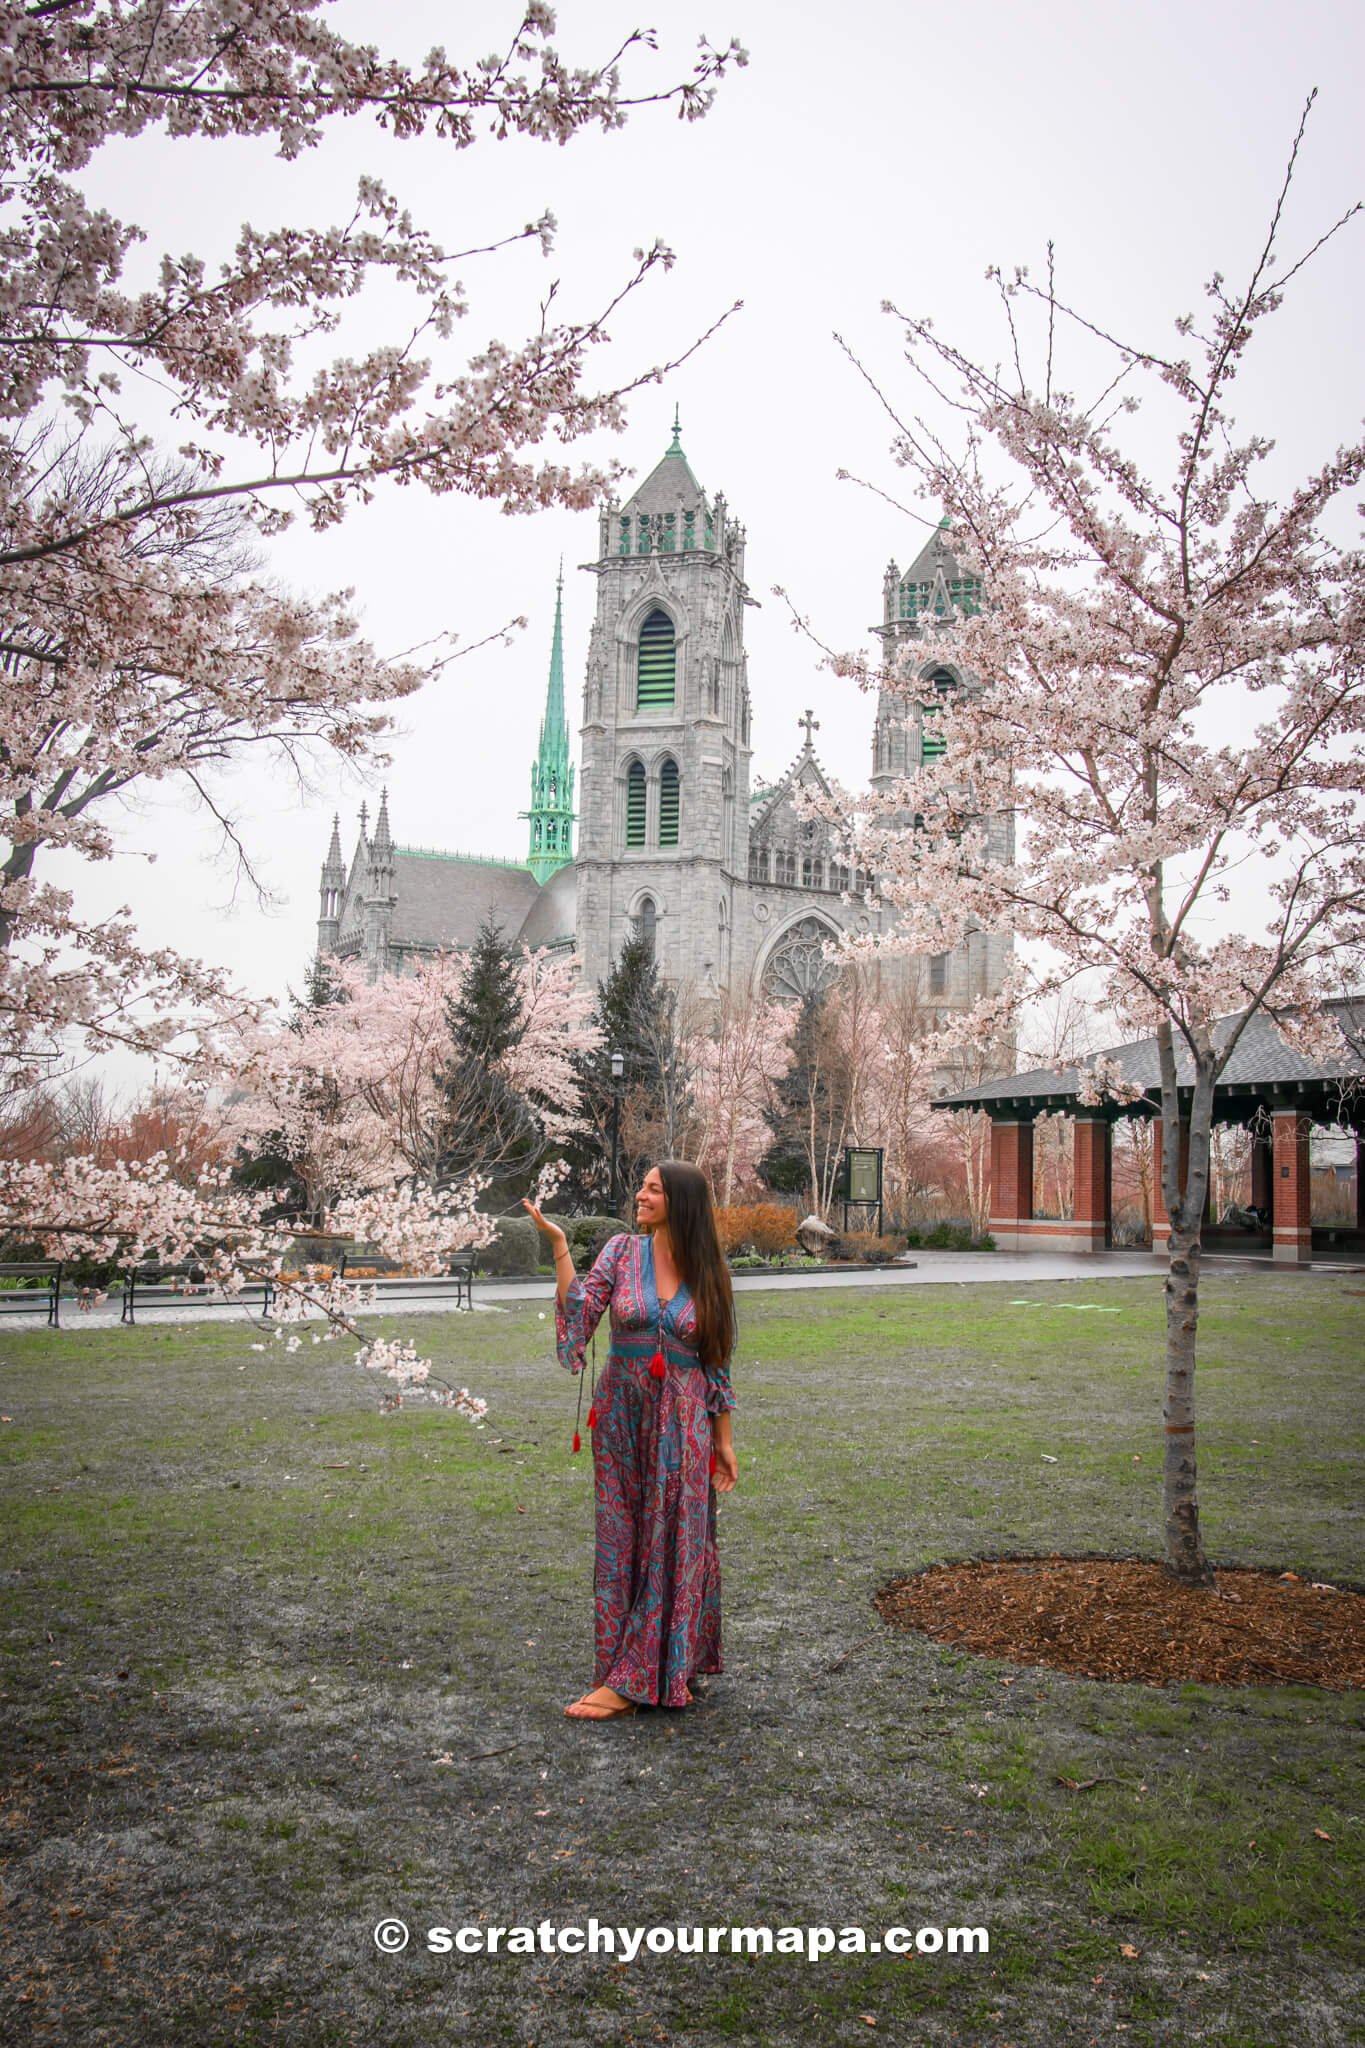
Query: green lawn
{"type": "Point", "coordinates": [277, 1666]}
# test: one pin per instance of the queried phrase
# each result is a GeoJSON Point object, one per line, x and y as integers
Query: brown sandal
{"type": "Point", "coordinates": [596, 1710]}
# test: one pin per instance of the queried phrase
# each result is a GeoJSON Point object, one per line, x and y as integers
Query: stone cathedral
{"type": "Point", "coordinates": [735, 889]}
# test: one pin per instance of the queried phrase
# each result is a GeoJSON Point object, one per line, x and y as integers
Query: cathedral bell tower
{"type": "Point", "coordinates": [663, 835]}
{"type": "Point", "coordinates": [933, 587]}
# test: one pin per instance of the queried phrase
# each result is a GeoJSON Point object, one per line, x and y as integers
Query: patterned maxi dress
{"type": "Point", "coordinates": [657, 1574]}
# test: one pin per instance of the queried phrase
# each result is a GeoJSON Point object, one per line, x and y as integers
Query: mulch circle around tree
{"type": "Point", "coordinates": [1127, 1620]}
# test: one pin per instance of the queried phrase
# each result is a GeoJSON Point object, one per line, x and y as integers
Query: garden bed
{"type": "Point", "coordinates": [1128, 1619]}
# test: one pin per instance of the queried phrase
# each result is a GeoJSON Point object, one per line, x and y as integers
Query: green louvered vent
{"type": "Point", "coordinates": [932, 744]}
{"type": "Point", "coordinates": [668, 804]}
{"type": "Point", "coordinates": [635, 805]}
{"type": "Point", "coordinates": [658, 661]}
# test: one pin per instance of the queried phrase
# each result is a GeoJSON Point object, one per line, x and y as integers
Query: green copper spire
{"type": "Point", "coordinates": [552, 812]}
{"type": "Point", "coordinates": [675, 447]}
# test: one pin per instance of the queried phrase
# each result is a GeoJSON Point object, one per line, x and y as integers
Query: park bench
{"type": "Point", "coordinates": [178, 1287]}
{"type": "Point", "coordinates": [426, 1286]}
{"type": "Point", "coordinates": [25, 1300]}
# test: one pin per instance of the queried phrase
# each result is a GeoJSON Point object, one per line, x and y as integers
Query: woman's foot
{"type": "Point", "coordinates": [600, 1705]}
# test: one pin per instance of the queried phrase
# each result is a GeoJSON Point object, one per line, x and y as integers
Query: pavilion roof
{"type": "Point", "coordinates": [1264, 1067]}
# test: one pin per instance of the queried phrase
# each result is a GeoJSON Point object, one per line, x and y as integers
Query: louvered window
{"type": "Point", "coordinates": [635, 804]}
{"type": "Point", "coordinates": [668, 804]}
{"type": "Point", "coordinates": [658, 661]}
{"type": "Point", "coordinates": [935, 742]}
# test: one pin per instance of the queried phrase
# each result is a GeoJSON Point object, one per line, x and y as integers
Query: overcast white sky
{"type": "Point", "coordinates": [875, 151]}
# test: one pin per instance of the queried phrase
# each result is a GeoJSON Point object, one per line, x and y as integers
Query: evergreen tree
{"type": "Point", "coordinates": [490, 1128]}
{"type": "Point", "coordinates": [320, 989]}
{"type": "Point", "coordinates": [637, 1014]}
{"type": "Point", "coordinates": [485, 1020]}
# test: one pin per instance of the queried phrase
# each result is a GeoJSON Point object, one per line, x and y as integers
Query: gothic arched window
{"type": "Point", "coordinates": [802, 962]}
{"type": "Point", "coordinates": [635, 804]}
{"type": "Point", "coordinates": [669, 803]}
{"type": "Point", "coordinates": [656, 670]}
{"type": "Point", "coordinates": [646, 922]}
{"type": "Point", "coordinates": [933, 743]}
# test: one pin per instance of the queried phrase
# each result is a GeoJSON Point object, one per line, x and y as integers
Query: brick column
{"type": "Point", "coordinates": [1360, 1177]}
{"type": "Point", "coordinates": [1293, 1199]}
{"type": "Point", "coordinates": [1161, 1222]}
{"type": "Point", "coordinates": [1091, 1154]}
{"type": "Point", "coordinates": [1011, 1181]}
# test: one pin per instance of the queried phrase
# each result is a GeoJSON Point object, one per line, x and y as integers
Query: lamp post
{"type": "Point", "coordinates": [618, 1068]}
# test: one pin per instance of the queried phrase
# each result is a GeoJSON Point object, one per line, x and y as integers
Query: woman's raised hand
{"type": "Point", "coordinates": [546, 1225]}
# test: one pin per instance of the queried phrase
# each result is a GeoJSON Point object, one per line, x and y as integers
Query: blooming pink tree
{"type": "Point", "coordinates": [1171, 697]}
{"type": "Point", "coordinates": [736, 1061]}
{"type": "Point", "coordinates": [139, 641]}
{"type": "Point", "coordinates": [149, 1210]}
{"type": "Point", "coordinates": [358, 1089]}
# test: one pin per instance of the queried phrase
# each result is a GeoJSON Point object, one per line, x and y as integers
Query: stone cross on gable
{"type": "Point", "coordinates": [811, 724]}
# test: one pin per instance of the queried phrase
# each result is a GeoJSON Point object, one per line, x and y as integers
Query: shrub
{"type": "Point", "coordinates": [312, 1251]}
{"type": "Point", "coordinates": [767, 1228]}
{"type": "Point", "coordinates": [515, 1249]}
{"type": "Point", "coordinates": [587, 1235]}
{"type": "Point", "coordinates": [948, 1237]}
{"type": "Point", "coordinates": [866, 1247]}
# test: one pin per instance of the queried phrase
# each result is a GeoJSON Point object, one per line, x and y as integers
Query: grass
{"type": "Point", "coordinates": [277, 1666]}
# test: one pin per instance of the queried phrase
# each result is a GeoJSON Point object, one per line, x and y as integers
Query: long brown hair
{"type": "Point", "coordinates": [699, 1258]}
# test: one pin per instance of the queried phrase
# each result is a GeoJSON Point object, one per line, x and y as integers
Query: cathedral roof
{"type": "Point", "coordinates": [553, 916]}
{"type": "Point", "coordinates": [932, 557]}
{"type": "Point", "coordinates": [805, 773]}
{"type": "Point", "coordinates": [670, 483]}
{"type": "Point", "coordinates": [443, 897]}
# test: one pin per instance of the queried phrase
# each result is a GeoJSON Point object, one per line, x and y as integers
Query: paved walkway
{"type": "Point", "coordinates": [962, 1269]}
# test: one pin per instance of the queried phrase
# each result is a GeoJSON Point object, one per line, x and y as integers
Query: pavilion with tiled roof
{"type": "Point", "coordinates": [1267, 1085]}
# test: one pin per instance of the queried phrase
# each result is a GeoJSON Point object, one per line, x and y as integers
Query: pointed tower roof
{"type": "Point", "coordinates": [334, 863]}
{"type": "Point", "coordinates": [670, 483]}
{"type": "Point", "coordinates": [383, 838]}
{"type": "Point", "coordinates": [552, 813]}
{"type": "Point", "coordinates": [554, 719]}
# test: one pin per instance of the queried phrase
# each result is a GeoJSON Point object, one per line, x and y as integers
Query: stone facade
{"type": "Point", "coordinates": [738, 888]}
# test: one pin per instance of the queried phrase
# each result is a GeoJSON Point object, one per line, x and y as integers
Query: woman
{"type": "Point", "coordinates": [661, 1444]}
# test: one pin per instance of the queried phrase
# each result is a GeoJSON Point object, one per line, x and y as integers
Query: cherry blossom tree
{"type": "Point", "coordinates": [736, 1062]}
{"type": "Point", "coordinates": [140, 643]}
{"type": "Point", "coordinates": [357, 1092]}
{"type": "Point", "coordinates": [1171, 696]}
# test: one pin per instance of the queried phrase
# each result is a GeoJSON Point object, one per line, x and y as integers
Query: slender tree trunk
{"type": "Point", "coordinates": [1185, 1558]}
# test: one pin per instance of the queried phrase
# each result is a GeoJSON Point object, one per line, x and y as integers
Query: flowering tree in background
{"type": "Point", "coordinates": [152, 1210]}
{"type": "Point", "coordinates": [359, 1089]}
{"type": "Point", "coordinates": [139, 644]}
{"type": "Point", "coordinates": [1172, 698]}
{"type": "Point", "coordinates": [834, 1087]}
{"type": "Point", "coordinates": [736, 1063]}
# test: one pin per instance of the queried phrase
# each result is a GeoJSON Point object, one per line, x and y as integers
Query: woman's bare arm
{"type": "Point", "coordinates": [559, 1244]}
